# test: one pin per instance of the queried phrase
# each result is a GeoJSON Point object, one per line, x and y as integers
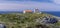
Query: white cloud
{"type": "Point", "coordinates": [56, 1]}
{"type": "Point", "coordinates": [29, 5]}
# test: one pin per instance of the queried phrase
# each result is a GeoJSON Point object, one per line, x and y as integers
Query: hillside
{"type": "Point", "coordinates": [28, 20]}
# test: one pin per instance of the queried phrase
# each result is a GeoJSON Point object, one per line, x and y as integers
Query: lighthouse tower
{"type": "Point", "coordinates": [36, 10]}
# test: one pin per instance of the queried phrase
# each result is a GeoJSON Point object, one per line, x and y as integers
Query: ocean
{"type": "Point", "coordinates": [52, 13]}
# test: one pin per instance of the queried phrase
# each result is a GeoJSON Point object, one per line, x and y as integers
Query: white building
{"type": "Point", "coordinates": [37, 10]}
{"type": "Point", "coordinates": [27, 11]}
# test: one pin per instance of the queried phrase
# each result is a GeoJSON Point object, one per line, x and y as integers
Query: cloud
{"type": "Point", "coordinates": [56, 1]}
{"type": "Point", "coordinates": [15, 0]}
{"type": "Point", "coordinates": [16, 6]}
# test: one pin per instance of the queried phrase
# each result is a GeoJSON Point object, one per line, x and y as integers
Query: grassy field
{"type": "Point", "coordinates": [18, 20]}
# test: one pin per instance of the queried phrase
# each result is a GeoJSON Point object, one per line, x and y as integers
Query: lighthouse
{"type": "Point", "coordinates": [36, 10]}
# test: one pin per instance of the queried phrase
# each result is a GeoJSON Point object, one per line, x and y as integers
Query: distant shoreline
{"type": "Point", "coordinates": [52, 13]}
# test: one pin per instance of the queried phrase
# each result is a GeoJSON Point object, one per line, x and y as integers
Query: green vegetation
{"type": "Point", "coordinates": [20, 20]}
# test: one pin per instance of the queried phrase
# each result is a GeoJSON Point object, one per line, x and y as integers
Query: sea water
{"type": "Point", "coordinates": [54, 13]}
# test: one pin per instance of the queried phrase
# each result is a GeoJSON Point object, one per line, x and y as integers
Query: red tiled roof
{"type": "Point", "coordinates": [28, 10]}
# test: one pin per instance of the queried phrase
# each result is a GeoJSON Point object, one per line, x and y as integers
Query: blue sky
{"type": "Point", "coordinates": [16, 5]}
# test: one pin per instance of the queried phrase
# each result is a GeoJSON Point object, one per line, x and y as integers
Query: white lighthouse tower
{"type": "Point", "coordinates": [36, 10]}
